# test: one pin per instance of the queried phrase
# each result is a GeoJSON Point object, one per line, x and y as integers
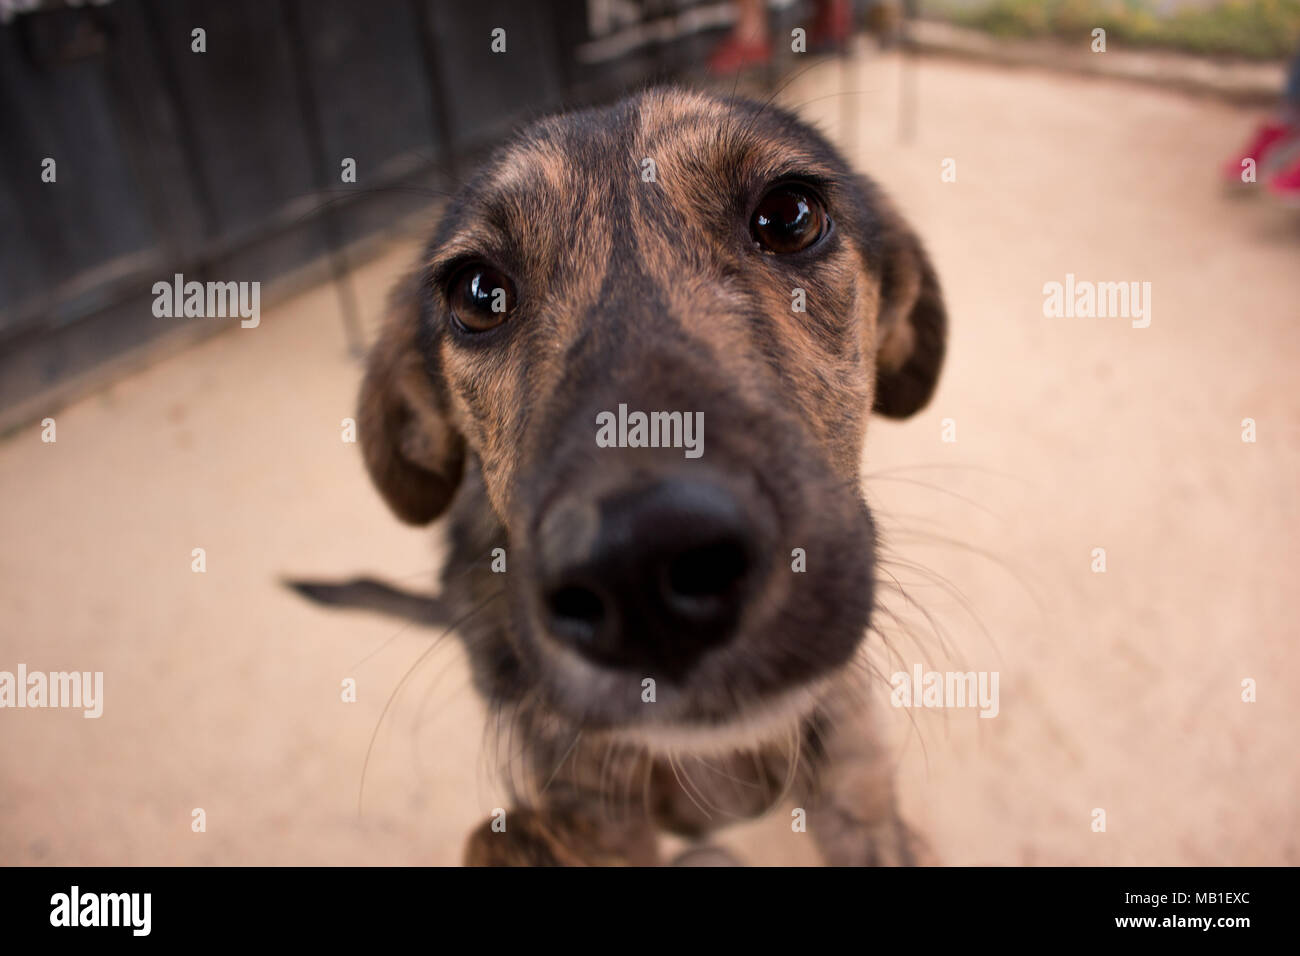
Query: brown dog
{"type": "Point", "coordinates": [666, 625]}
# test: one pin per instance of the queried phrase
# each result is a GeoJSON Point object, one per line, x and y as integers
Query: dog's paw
{"type": "Point", "coordinates": [524, 842]}
{"type": "Point", "coordinates": [533, 838]}
{"type": "Point", "coordinates": [706, 856]}
{"type": "Point", "coordinates": [887, 842]}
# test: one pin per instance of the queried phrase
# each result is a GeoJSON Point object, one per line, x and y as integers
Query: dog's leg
{"type": "Point", "coordinates": [852, 812]}
{"type": "Point", "coordinates": [565, 835]}
{"type": "Point", "coordinates": [576, 806]}
{"type": "Point", "coordinates": [706, 855]}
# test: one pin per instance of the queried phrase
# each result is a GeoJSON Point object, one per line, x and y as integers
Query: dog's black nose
{"type": "Point", "coordinates": [652, 577]}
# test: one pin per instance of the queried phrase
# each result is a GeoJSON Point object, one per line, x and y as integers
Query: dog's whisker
{"type": "Point", "coordinates": [517, 725]}
{"type": "Point", "coordinates": [946, 466]}
{"type": "Point", "coordinates": [792, 767]}
{"type": "Point", "coordinates": [944, 584]}
{"type": "Point", "coordinates": [776, 93]}
{"type": "Point", "coordinates": [600, 779]}
{"type": "Point", "coordinates": [551, 779]}
{"type": "Point", "coordinates": [392, 637]}
{"type": "Point", "coordinates": [1017, 572]}
{"type": "Point", "coordinates": [672, 765]}
{"type": "Point", "coordinates": [688, 782]}
{"type": "Point", "coordinates": [935, 626]}
{"type": "Point", "coordinates": [798, 107]}
{"type": "Point", "coordinates": [946, 491]}
{"type": "Point", "coordinates": [445, 699]}
{"type": "Point", "coordinates": [723, 773]}
{"type": "Point", "coordinates": [400, 684]}
{"type": "Point", "coordinates": [863, 663]}
{"type": "Point", "coordinates": [919, 641]}
{"type": "Point", "coordinates": [646, 784]}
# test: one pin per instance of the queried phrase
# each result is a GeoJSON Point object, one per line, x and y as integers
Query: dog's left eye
{"type": "Point", "coordinates": [788, 219]}
{"type": "Point", "coordinates": [480, 297]}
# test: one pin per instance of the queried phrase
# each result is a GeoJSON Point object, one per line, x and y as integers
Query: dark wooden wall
{"type": "Point", "coordinates": [225, 164]}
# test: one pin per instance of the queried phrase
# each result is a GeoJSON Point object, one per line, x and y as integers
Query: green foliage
{"type": "Point", "coordinates": [1258, 29]}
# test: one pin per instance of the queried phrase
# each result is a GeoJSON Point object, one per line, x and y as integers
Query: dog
{"type": "Point", "coordinates": [666, 640]}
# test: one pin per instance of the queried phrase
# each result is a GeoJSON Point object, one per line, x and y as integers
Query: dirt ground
{"type": "Point", "coordinates": [1119, 691]}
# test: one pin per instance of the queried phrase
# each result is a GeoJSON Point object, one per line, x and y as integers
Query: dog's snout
{"type": "Point", "coordinates": [654, 576]}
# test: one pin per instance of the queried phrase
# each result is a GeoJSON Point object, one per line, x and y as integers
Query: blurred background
{"type": "Point", "coordinates": [1020, 152]}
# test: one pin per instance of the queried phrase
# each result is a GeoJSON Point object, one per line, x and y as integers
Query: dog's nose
{"type": "Point", "coordinates": [652, 577]}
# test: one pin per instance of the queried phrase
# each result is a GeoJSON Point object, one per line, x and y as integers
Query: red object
{"type": "Point", "coordinates": [734, 54]}
{"type": "Point", "coordinates": [1262, 145]}
{"type": "Point", "coordinates": [832, 25]}
{"type": "Point", "coordinates": [1286, 184]}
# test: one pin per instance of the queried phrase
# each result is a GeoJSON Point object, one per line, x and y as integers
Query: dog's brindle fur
{"type": "Point", "coordinates": [653, 293]}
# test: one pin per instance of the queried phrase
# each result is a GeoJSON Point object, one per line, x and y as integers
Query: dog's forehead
{"type": "Point", "coordinates": [691, 145]}
{"type": "Point", "coordinates": [657, 186]}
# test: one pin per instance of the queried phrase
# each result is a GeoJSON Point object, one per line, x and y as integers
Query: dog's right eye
{"type": "Point", "coordinates": [480, 297]}
{"type": "Point", "coordinates": [790, 218]}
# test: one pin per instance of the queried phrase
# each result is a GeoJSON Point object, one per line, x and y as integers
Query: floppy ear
{"type": "Point", "coordinates": [912, 326]}
{"type": "Point", "coordinates": [413, 452]}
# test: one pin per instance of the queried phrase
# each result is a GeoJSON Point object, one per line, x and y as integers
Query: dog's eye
{"type": "Point", "coordinates": [788, 219]}
{"type": "Point", "coordinates": [480, 297]}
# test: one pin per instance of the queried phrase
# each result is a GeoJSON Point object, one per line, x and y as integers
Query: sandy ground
{"type": "Point", "coordinates": [1119, 691]}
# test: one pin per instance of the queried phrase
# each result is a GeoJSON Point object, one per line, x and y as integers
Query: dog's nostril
{"type": "Point", "coordinates": [708, 571]}
{"type": "Point", "coordinates": [576, 605]}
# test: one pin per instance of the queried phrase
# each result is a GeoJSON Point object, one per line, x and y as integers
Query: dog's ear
{"type": "Point", "coordinates": [912, 325]}
{"type": "Point", "coordinates": [413, 452]}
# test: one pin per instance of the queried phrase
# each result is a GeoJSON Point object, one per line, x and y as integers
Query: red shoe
{"type": "Point", "coordinates": [734, 54]}
{"type": "Point", "coordinates": [1266, 142]}
{"type": "Point", "coordinates": [1286, 185]}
